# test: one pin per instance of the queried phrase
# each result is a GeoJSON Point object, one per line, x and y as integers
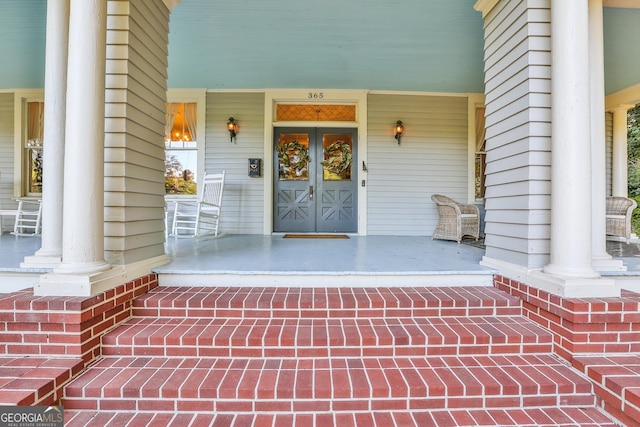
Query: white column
{"type": "Point", "coordinates": [83, 217]}
{"type": "Point", "coordinates": [83, 209]}
{"type": "Point", "coordinates": [602, 261]}
{"type": "Point", "coordinates": [619, 181]}
{"type": "Point", "coordinates": [570, 254]}
{"type": "Point", "coordinates": [55, 87]}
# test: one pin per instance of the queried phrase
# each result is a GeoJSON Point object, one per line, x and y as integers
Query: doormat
{"type": "Point", "coordinates": [475, 243]}
{"type": "Point", "coordinates": [315, 236]}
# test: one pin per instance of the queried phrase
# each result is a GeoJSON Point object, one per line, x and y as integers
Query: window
{"type": "Point", "coordinates": [481, 155]}
{"type": "Point", "coordinates": [181, 148]}
{"type": "Point", "coordinates": [32, 149]}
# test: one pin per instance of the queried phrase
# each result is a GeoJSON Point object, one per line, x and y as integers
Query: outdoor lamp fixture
{"type": "Point", "coordinates": [398, 130]}
{"type": "Point", "coordinates": [232, 127]}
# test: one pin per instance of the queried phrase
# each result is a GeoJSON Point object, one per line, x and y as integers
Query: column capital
{"type": "Point", "coordinates": [485, 6]}
{"type": "Point", "coordinates": [171, 3]}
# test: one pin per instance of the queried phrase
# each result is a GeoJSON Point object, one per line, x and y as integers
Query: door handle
{"type": "Point", "coordinates": [311, 192]}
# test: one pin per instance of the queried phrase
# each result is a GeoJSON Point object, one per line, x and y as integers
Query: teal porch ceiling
{"type": "Point", "coordinates": [398, 45]}
{"type": "Point", "coordinates": [425, 45]}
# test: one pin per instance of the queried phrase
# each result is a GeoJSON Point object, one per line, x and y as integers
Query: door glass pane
{"type": "Point", "coordinates": [293, 156]}
{"type": "Point", "coordinates": [337, 149]}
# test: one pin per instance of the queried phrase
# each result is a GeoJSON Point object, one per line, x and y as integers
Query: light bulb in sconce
{"type": "Point", "coordinates": [398, 130]}
{"type": "Point", "coordinates": [232, 127]}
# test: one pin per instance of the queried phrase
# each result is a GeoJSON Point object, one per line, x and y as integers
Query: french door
{"type": "Point", "coordinates": [315, 180]}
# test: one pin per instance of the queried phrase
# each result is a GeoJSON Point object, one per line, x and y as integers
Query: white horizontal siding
{"type": "Point", "coordinates": [518, 101]}
{"type": "Point", "coordinates": [6, 156]}
{"type": "Point", "coordinates": [243, 203]}
{"type": "Point", "coordinates": [431, 158]}
{"type": "Point", "coordinates": [134, 126]}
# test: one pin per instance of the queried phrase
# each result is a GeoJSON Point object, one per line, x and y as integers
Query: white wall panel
{"type": "Point", "coordinates": [431, 158]}
{"type": "Point", "coordinates": [243, 203]}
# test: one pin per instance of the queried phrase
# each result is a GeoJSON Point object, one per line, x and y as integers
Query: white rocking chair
{"type": "Point", "coordinates": [28, 218]}
{"type": "Point", "coordinates": [190, 219]}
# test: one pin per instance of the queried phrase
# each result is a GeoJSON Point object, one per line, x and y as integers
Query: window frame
{"type": "Point", "coordinates": [481, 156]}
{"type": "Point", "coordinates": [20, 123]}
{"type": "Point", "coordinates": [199, 97]}
{"type": "Point", "coordinates": [474, 101]}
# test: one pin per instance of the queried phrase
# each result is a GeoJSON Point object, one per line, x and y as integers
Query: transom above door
{"type": "Point", "coordinates": [315, 180]}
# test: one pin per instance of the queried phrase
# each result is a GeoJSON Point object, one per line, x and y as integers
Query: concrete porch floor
{"type": "Point", "coordinates": [243, 260]}
{"type": "Point", "coordinates": [250, 260]}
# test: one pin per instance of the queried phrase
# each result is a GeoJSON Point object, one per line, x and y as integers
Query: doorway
{"type": "Point", "coordinates": [315, 180]}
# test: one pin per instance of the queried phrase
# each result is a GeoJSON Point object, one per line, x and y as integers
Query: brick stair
{"type": "Point", "coordinates": [284, 356]}
{"type": "Point", "coordinates": [600, 337]}
{"type": "Point", "coordinates": [543, 417]}
{"type": "Point", "coordinates": [355, 337]}
{"type": "Point", "coordinates": [617, 383]}
{"type": "Point", "coordinates": [29, 380]}
{"type": "Point", "coordinates": [47, 341]}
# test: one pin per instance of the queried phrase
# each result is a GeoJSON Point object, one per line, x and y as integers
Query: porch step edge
{"type": "Point", "coordinates": [311, 338]}
{"type": "Point", "coordinates": [336, 384]}
{"type": "Point", "coordinates": [543, 417]}
{"type": "Point", "coordinates": [35, 380]}
{"type": "Point", "coordinates": [307, 279]}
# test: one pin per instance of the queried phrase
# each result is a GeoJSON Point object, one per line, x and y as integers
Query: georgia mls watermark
{"type": "Point", "coordinates": [31, 416]}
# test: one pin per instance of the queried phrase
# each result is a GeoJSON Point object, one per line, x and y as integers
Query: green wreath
{"type": "Point", "coordinates": [294, 158]}
{"type": "Point", "coordinates": [338, 157]}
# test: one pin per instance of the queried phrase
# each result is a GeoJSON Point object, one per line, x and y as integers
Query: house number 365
{"type": "Point", "coordinates": [315, 95]}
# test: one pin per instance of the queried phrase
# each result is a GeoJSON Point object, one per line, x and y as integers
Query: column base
{"type": "Point", "coordinates": [575, 287]}
{"type": "Point", "coordinates": [59, 283]}
{"type": "Point", "coordinates": [607, 263]}
{"type": "Point", "coordinates": [41, 261]}
{"type": "Point", "coordinates": [84, 285]}
{"type": "Point", "coordinates": [81, 268]}
{"type": "Point", "coordinates": [596, 287]}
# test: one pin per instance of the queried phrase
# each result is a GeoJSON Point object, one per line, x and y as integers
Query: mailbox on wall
{"type": "Point", "coordinates": [255, 168]}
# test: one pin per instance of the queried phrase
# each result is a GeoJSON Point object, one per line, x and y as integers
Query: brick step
{"type": "Point", "coordinates": [35, 380]}
{"type": "Point", "coordinates": [235, 386]}
{"type": "Point", "coordinates": [350, 337]}
{"type": "Point", "coordinates": [543, 417]}
{"type": "Point", "coordinates": [616, 381]}
{"type": "Point", "coordinates": [204, 302]}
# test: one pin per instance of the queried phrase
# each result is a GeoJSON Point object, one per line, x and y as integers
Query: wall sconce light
{"type": "Point", "coordinates": [398, 130]}
{"type": "Point", "coordinates": [232, 127]}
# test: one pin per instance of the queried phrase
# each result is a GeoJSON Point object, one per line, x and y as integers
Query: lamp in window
{"type": "Point", "coordinates": [398, 130]}
{"type": "Point", "coordinates": [232, 127]}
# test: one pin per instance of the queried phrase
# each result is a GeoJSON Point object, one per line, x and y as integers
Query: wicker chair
{"type": "Point", "coordinates": [618, 217]}
{"type": "Point", "coordinates": [456, 219]}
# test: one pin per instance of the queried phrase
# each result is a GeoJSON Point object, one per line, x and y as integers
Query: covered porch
{"type": "Point", "coordinates": [273, 260]}
{"type": "Point", "coordinates": [345, 260]}
{"type": "Point", "coordinates": [392, 313]}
